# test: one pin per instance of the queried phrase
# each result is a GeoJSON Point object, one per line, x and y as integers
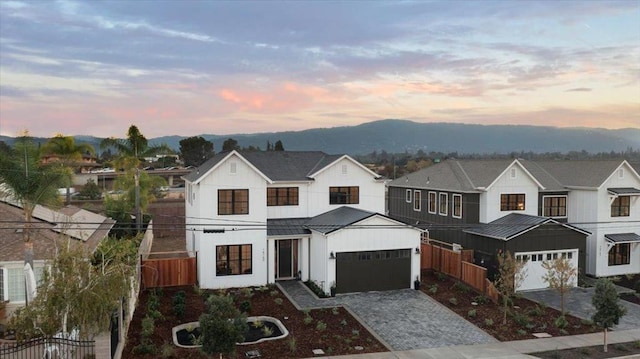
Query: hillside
{"type": "Point", "coordinates": [402, 135]}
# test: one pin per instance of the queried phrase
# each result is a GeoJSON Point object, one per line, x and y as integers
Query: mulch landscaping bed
{"type": "Point", "coordinates": [593, 352]}
{"type": "Point", "coordinates": [340, 334]}
{"type": "Point", "coordinates": [525, 317]}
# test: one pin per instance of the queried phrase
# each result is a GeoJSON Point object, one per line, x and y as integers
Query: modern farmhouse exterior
{"type": "Point", "coordinates": [257, 217]}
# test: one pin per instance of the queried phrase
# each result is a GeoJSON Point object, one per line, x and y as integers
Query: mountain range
{"type": "Point", "coordinates": [395, 136]}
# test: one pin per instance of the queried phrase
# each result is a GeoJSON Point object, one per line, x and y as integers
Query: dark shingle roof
{"type": "Point", "coordinates": [276, 165]}
{"type": "Point", "coordinates": [513, 225]}
{"type": "Point", "coordinates": [623, 237]}
{"type": "Point", "coordinates": [587, 173]}
{"type": "Point", "coordinates": [624, 191]}
{"type": "Point", "coordinates": [336, 219]}
{"type": "Point", "coordinates": [282, 227]}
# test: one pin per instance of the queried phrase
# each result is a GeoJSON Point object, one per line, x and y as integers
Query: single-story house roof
{"type": "Point", "coordinates": [514, 225]}
{"type": "Point", "coordinates": [47, 226]}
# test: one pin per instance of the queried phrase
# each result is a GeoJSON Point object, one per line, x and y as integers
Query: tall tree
{"type": "Point", "coordinates": [132, 148]}
{"type": "Point", "coordinates": [195, 150]}
{"type": "Point", "coordinates": [69, 154]}
{"type": "Point", "coordinates": [29, 183]}
{"type": "Point", "coordinates": [510, 277]}
{"type": "Point", "coordinates": [559, 276]}
{"type": "Point", "coordinates": [608, 310]}
{"type": "Point", "coordinates": [230, 144]}
{"type": "Point", "coordinates": [278, 146]}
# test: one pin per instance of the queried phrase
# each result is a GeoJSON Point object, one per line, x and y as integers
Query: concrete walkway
{"type": "Point", "coordinates": [505, 350]}
{"type": "Point", "coordinates": [578, 303]}
{"type": "Point", "coordinates": [401, 319]}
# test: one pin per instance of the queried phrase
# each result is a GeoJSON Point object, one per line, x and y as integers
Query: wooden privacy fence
{"type": "Point", "coordinates": [168, 272]}
{"type": "Point", "coordinates": [457, 265]}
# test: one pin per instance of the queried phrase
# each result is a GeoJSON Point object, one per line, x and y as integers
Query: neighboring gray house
{"type": "Point", "coordinates": [598, 199]}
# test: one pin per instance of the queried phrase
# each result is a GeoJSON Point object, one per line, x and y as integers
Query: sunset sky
{"type": "Point", "coordinates": [212, 67]}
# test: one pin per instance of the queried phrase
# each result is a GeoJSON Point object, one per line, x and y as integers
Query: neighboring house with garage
{"type": "Point", "coordinates": [257, 217]}
{"type": "Point", "coordinates": [48, 226]}
{"type": "Point", "coordinates": [480, 203]}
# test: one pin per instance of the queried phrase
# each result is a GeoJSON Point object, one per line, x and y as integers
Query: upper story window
{"type": "Point", "coordinates": [417, 198]}
{"type": "Point", "coordinates": [282, 196]}
{"type": "Point", "coordinates": [344, 195]}
{"type": "Point", "coordinates": [444, 204]}
{"type": "Point", "coordinates": [233, 201]}
{"type": "Point", "coordinates": [621, 206]}
{"type": "Point", "coordinates": [512, 202]}
{"type": "Point", "coordinates": [407, 197]}
{"type": "Point", "coordinates": [457, 206]}
{"type": "Point", "coordinates": [432, 202]}
{"type": "Point", "coordinates": [554, 206]}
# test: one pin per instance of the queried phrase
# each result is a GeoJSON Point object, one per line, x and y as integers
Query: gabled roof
{"type": "Point", "coordinates": [90, 229]}
{"type": "Point", "coordinates": [276, 165]}
{"type": "Point", "coordinates": [457, 175]}
{"type": "Point", "coordinates": [580, 173]}
{"type": "Point", "coordinates": [514, 225]}
{"type": "Point", "coordinates": [336, 219]}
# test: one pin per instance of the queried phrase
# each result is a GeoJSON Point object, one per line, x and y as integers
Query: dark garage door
{"type": "Point", "coordinates": [373, 270]}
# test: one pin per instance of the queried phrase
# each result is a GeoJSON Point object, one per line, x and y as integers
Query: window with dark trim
{"type": "Point", "coordinates": [432, 202]}
{"type": "Point", "coordinates": [408, 196]}
{"type": "Point", "coordinates": [443, 201]}
{"type": "Point", "coordinates": [620, 254]}
{"type": "Point", "coordinates": [621, 206]}
{"type": "Point", "coordinates": [233, 201]}
{"type": "Point", "coordinates": [233, 260]}
{"type": "Point", "coordinates": [282, 196]}
{"type": "Point", "coordinates": [512, 202]}
{"type": "Point", "coordinates": [554, 206]}
{"type": "Point", "coordinates": [417, 198]}
{"type": "Point", "coordinates": [344, 195]}
{"type": "Point", "coordinates": [457, 206]}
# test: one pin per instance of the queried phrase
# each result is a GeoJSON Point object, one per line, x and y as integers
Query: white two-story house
{"type": "Point", "coordinates": [256, 217]}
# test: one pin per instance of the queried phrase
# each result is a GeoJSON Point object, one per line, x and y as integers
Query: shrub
{"type": "Point", "coordinates": [481, 299]}
{"type": "Point", "coordinates": [167, 350]}
{"type": "Point", "coordinates": [441, 276]}
{"type": "Point", "coordinates": [472, 313]}
{"type": "Point", "coordinates": [521, 318]}
{"type": "Point", "coordinates": [543, 327]}
{"type": "Point", "coordinates": [335, 311]}
{"type": "Point", "coordinates": [321, 326]}
{"type": "Point", "coordinates": [355, 332]}
{"type": "Point", "coordinates": [315, 289]}
{"type": "Point", "coordinates": [585, 351]}
{"type": "Point", "coordinates": [461, 287]}
{"type": "Point", "coordinates": [148, 327]}
{"type": "Point", "coordinates": [561, 322]}
{"type": "Point", "coordinates": [453, 301]}
{"type": "Point", "coordinates": [274, 293]}
{"type": "Point", "coordinates": [246, 292]}
{"type": "Point", "coordinates": [258, 324]}
{"type": "Point", "coordinates": [488, 322]}
{"type": "Point", "coordinates": [222, 325]}
{"type": "Point", "coordinates": [179, 305]}
{"type": "Point", "coordinates": [343, 322]}
{"type": "Point", "coordinates": [144, 348]}
{"type": "Point", "coordinates": [308, 320]}
{"type": "Point", "coordinates": [293, 345]}
{"type": "Point", "coordinates": [267, 331]}
{"type": "Point", "coordinates": [245, 306]}
{"type": "Point", "coordinates": [278, 301]}
{"type": "Point", "coordinates": [522, 332]}
{"type": "Point", "coordinates": [433, 289]}
{"type": "Point", "coordinates": [530, 326]}
{"type": "Point", "coordinates": [537, 311]}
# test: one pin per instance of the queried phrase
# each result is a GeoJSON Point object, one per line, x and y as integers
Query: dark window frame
{"type": "Point", "coordinates": [344, 195]}
{"type": "Point", "coordinates": [457, 208]}
{"type": "Point", "coordinates": [283, 196]}
{"type": "Point", "coordinates": [235, 204]}
{"type": "Point", "coordinates": [552, 206]}
{"type": "Point", "coordinates": [433, 202]}
{"type": "Point", "coordinates": [621, 206]}
{"type": "Point", "coordinates": [417, 200]}
{"type": "Point", "coordinates": [232, 259]}
{"type": "Point", "coordinates": [513, 202]}
{"type": "Point", "coordinates": [443, 206]}
{"type": "Point", "coordinates": [620, 254]}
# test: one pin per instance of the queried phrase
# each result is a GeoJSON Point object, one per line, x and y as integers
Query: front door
{"type": "Point", "coordinates": [285, 265]}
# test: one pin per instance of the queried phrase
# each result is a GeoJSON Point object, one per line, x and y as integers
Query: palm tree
{"type": "Point", "coordinates": [28, 182]}
{"type": "Point", "coordinates": [69, 154]}
{"type": "Point", "coordinates": [132, 148]}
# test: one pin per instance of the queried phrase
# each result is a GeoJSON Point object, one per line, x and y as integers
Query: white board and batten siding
{"type": "Point", "coordinates": [534, 272]}
{"type": "Point", "coordinates": [513, 181]}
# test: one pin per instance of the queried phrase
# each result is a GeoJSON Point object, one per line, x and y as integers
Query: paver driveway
{"type": "Point", "coordinates": [404, 319]}
{"type": "Point", "coordinates": [578, 303]}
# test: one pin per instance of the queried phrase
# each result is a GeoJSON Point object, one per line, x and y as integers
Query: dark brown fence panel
{"type": "Point", "coordinates": [474, 276]}
{"type": "Point", "coordinates": [491, 291]}
{"type": "Point", "coordinates": [467, 255]}
{"type": "Point", "coordinates": [450, 262]}
{"type": "Point", "coordinates": [168, 272]}
{"type": "Point", "coordinates": [425, 256]}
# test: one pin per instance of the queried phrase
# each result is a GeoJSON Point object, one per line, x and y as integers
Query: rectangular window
{"type": "Point", "coordinates": [233, 201]}
{"type": "Point", "coordinates": [444, 204]}
{"type": "Point", "coordinates": [620, 206]}
{"type": "Point", "coordinates": [554, 206]}
{"type": "Point", "coordinates": [344, 195]}
{"type": "Point", "coordinates": [620, 254]}
{"type": "Point", "coordinates": [417, 198]}
{"type": "Point", "coordinates": [282, 196]}
{"type": "Point", "coordinates": [457, 206]}
{"type": "Point", "coordinates": [512, 202]}
{"type": "Point", "coordinates": [15, 279]}
{"type": "Point", "coordinates": [432, 202]}
{"type": "Point", "coordinates": [407, 197]}
{"type": "Point", "coordinates": [233, 260]}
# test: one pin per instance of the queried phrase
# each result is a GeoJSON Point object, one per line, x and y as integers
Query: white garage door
{"type": "Point", "coordinates": [534, 272]}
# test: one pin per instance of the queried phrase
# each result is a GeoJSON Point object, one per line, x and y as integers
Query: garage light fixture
{"type": "Point", "coordinates": [417, 250]}
{"type": "Point", "coordinates": [332, 255]}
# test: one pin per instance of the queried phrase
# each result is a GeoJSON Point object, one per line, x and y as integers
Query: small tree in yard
{"type": "Point", "coordinates": [222, 326]}
{"type": "Point", "coordinates": [560, 275]}
{"type": "Point", "coordinates": [608, 311]}
{"type": "Point", "coordinates": [511, 274]}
